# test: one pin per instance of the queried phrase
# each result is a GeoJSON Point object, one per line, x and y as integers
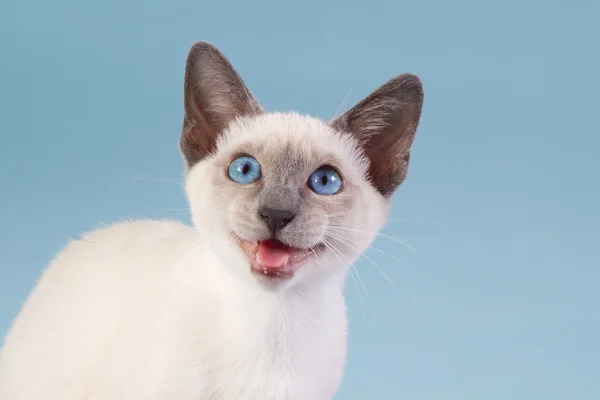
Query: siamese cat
{"type": "Point", "coordinates": [247, 304]}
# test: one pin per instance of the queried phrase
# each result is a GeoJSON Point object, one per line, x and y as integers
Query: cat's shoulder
{"type": "Point", "coordinates": [139, 228]}
{"type": "Point", "coordinates": [126, 243]}
{"type": "Point", "coordinates": [134, 234]}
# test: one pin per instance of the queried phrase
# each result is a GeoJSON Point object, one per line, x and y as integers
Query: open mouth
{"type": "Point", "coordinates": [274, 259]}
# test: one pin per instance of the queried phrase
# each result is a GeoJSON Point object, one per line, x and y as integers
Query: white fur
{"type": "Point", "coordinates": [153, 310]}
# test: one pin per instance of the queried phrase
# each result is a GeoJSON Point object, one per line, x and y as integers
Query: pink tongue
{"type": "Point", "coordinates": [273, 254]}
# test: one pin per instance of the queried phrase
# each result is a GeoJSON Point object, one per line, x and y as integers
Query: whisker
{"type": "Point", "coordinates": [383, 235]}
{"type": "Point", "coordinates": [429, 220]}
{"type": "Point", "coordinates": [353, 270]}
{"type": "Point", "coordinates": [395, 289]}
{"type": "Point", "coordinates": [333, 235]}
{"type": "Point", "coordinates": [340, 255]}
{"type": "Point", "coordinates": [335, 252]}
{"type": "Point", "coordinates": [342, 104]}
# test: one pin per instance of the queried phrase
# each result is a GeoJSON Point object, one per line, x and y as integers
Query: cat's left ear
{"type": "Point", "coordinates": [214, 96]}
{"type": "Point", "coordinates": [385, 124]}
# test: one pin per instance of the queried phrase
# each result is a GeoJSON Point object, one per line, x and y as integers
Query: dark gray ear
{"type": "Point", "coordinates": [214, 95]}
{"type": "Point", "coordinates": [385, 124]}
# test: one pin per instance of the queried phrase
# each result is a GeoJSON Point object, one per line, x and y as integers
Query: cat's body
{"type": "Point", "coordinates": [248, 304]}
{"type": "Point", "coordinates": [138, 329]}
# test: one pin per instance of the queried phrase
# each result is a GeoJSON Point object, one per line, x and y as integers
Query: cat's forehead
{"type": "Point", "coordinates": [294, 138]}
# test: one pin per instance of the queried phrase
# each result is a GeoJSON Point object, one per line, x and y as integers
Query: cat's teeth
{"type": "Point", "coordinates": [248, 247]}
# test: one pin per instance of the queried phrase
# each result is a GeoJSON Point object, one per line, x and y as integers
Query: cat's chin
{"type": "Point", "coordinates": [275, 260]}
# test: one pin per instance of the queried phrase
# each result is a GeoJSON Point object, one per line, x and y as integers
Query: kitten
{"type": "Point", "coordinates": [247, 304]}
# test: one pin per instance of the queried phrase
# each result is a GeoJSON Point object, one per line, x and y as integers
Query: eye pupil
{"type": "Point", "coordinates": [245, 168]}
{"type": "Point", "coordinates": [324, 180]}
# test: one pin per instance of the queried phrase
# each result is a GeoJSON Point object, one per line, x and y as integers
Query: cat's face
{"type": "Point", "coordinates": [287, 199]}
{"type": "Point", "coordinates": [301, 167]}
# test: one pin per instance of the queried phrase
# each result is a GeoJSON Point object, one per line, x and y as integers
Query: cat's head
{"type": "Point", "coordinates": [288, 199]}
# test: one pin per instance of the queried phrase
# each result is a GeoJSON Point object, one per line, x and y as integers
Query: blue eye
{"type": "Point", "coordinates": [325, 181]}
{"type": "Point", "coordinates": [244, 170]}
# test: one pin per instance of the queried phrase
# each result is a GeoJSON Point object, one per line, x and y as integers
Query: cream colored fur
{"type": "Point", "coordinates": [158, 310]}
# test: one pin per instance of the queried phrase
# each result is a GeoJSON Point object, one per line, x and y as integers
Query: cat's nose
{"type": "Point", "coordinates": [276, 219]}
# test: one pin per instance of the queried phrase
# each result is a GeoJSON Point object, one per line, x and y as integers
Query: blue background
{"type": "Point", "coordinates": [501, 299]}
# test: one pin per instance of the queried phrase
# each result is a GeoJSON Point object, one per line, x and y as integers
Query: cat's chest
{"type": "Point", "coordinates": [278, 355]}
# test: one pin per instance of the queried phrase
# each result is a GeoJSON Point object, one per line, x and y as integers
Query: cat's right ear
{"type": "Point", "coordinates": [214, 96]}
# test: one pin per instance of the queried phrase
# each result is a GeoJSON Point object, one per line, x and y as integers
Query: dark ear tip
{"type": "Point", "coordinates": [202, 45]}
{"type": "Point", "coordinates": [202, 48]}
{"type": "Point", "coordinates": [410, 84]}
